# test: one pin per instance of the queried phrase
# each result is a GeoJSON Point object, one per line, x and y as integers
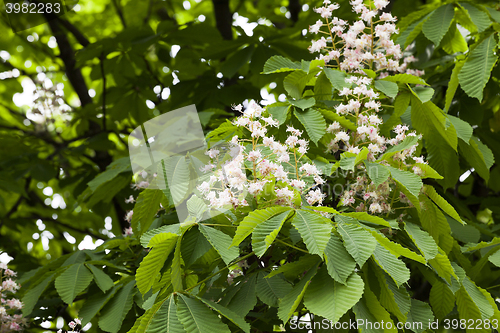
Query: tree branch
{"type": "Point", "coordinates": [223, 18]}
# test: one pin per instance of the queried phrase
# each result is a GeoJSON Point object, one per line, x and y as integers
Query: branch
{"type": "Point", "coordinates": [223, 18]}
{"type": "Point", "coordinates": [294, 8]}
{"type": "Point", "coordinates": [120, 13]}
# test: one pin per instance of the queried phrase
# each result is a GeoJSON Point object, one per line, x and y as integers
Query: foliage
{"type": "Point", "coordinates": [403, 241]}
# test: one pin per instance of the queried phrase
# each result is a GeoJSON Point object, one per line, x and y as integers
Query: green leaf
{"type": "Point", "coordinates": [397, 249]}
{"type": "Point", "coordinates": [401, 104]}
{"type": "Point", "coordinates": [303, 103]}
{"type": "Point", "coordinates": [265, 233]}
{"type": "Point", "coordinates": [245, 298]}
{"type": "Point", "coordinates": [394, 267]}
{"type": "Point", "coordinates": [339, 262]}
{"type": "Point", "coordinates": [336, 77]}
{"type": "Point", "coordinates": [442, 203]}
{"type": "Point", "coordinates": [428, 171]}
{"type": "Point", "coordinates": [409, 180]}
{"type": "Point", "coordinates": [153, 262]}
{"type": "Point", "coordinates": [145, 209]}
{"type": "Point", "coordinates": [253, 219]}
{"type": "Point", "coordinates": [221, 242]}
{"type": "Point", "coordinates": [477, 69]}
{"type": "Point", "coordinates": [147, 236]}
{"type": "Point", "coordinates": [358, 242]}
{"type": "Point", "coordinates": [295, 82]}
{"type": "Point", "coordinates": [407, 143]}
{"type": "Point", "coordinates": [478, 298]}
{"type": "Point", "coordinates": [115, 311]}
{"type": "Point", "coordinates": [424, 94]}
{"type": "Point", "coordinates": [434, 222]}
{"type": "Point", "coordinates": [113, 170]}
{"type": "Point", "coordinates": [176, 270]}
{"type": "Point", "coordinates": [362, 155]}
{"type": "Point", "coordinates": [442, 266]}
{"type": "Point", "coordinates": [387, 87]}
{"type": "Point", "coordinates": [441, 299]}
{"type": "Point", "coordinates": [103, 281]}
{"type": "Point", "coordinates": [73, 281]}
{"type": "Point", "coordinates": [333, 116]}
{"type": "Point", "coordinates": [438, 23]}
{"type": "Point", "coordinates": [196, 207]}
{"type": "Point", "coordinates": [453, 41]}
{"type": "Point", "coordinates": [363, 216]}
{"type": "Point", "coordinates": [327, 298]}
{"type": "Point", "coordinates": [424, 242]}
{"type": "Point", "coordinates": [291, 301]}
{"type": "Point", "coordinates": [405, 78]}
{"type": "Point", "coordinates": [464, 130]}
{"type": "Point", "coordinates": [314, 229]}
{"type": "Point", "coordinates": [453, 84]}
{"type": "Point", "coordinates": [164, 320]}
{"type": "Point", "coordinates": [479, 17]}
{"type": "Point", "coordinates": [378, 173]}
{"type": "Point", "coordinates": [278, 64]}
{"type": "Point", "coordinates": [94, 304]}
{"type": "Point", "coordinates": [177, 170]}
{"type": "Point", "coordinates": [296, 268]}
{"type": "Point", "coordinates": [271, 290]}
{"type": "Point", "coordinates": [233, 317]}
{"type": "Point", "coordinates": [395, 299]}
{"type": "Point", "coordinates": [428, 119]}
{"type": "Point", "coordinates": [237, 60]}
{"type": "Point", "coordinates": [279, 112]}
{"type": "Point", "coordinates": [480, 159]}
{"type": "Point", "coordinates": [466, 307]}
{"type": "Point", "coordinates": [443, 159]}
{"type": "Point", "coordinates": [369, 310]}
{"type": "Point", "coordinates": [313, 122]}
{"type": "Point", "coordinates": [420, 313]}
{"type": "Point", "coordinates": [33, 294]}
{"type": "Point", "coordinates": [197, 317]}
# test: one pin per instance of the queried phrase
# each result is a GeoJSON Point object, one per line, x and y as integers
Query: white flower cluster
{"type": "Point", "coordinates": [72, 324]}
{"type": "Point", "coordinates": [10, 319]}
{"type": "Point", "coordinates": [365, 44]}
{"type": "Point", "coordinates": [267, 160]}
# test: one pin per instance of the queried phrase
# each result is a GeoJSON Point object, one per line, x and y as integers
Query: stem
{"type": "Point", "coordinates": [290, 245]}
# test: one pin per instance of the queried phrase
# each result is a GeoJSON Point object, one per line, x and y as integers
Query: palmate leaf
{"type": "Point", "coordinates": [291, 301]}
{"type": "Point", "coordinates": [387, 87]}
{"type": "Point", "coordinates": [33, 294]}
{"type": "Point", "coordinates": [177, 170]}
{"type": "Point", "coordinates": [271, 290]}
{"type": "Point", "coordinates": [478, 298]}
{"type": "Point", "coordinates": [405, 78]}
{"type": "Point", "coordinates": [253, 219]}
{"type": "Point", "coordinates": [196, 317]}
{"type": "Point", "coordinates": [147, 236]}
{"type": "Point", "coordinates": [428, 171]}
{"type": "Point", "coordinates": [438, 23]}
{"type": "Point", "coordinates": [441, 299]}
{"type": "Point", "coordinates": [265, 233]}
{"type": "Point", "coordinates": [221, 242]}
{"type": "Point", "coordinates": [327, 298]}
{"type": "Point", "coordinates": [478, 155]}
{"type": "Point", "coordinates": [295, 82]}
{"type": "Point", "coordinates": [115, 311]}
{"type": "Point", "coordinates": [443, 159]}
{"type": "Point", "coordinates": [336, 77]}
{"type": "Point", "coordinates": [295, 268]}
{"type": "Point", "coordinates": [176, 271]}
{"type": "Point", "coordinates": [435, 223]}
{"type": "Point", "coordinates": [464, 130]}
{"type": "Point", "coordinates": [477, 69]}
{"type": "Point", "coordinates": [477, 16]}
{"type": "Point", "coordinates": [442, 266]}
{"type": "Point", "coordinates": [466, 307]}
{"type": "Point", "coordinates": [313, 122]}
{"type": "Point", "coordinates": [145, 210]}
{"type": "Point", "coordinates": [424, 242]}
{"type": "Point", "coordinates": [453, 41]}
{"type": "Point", "coordinates": [408, 180]}
{"type": "Point", "coordinates": [339, 262]}
{"type": "Point", "coordinates": [314, 229]}
{"type": "Point", "coordinates": [73, 281]}
{"type": "Point", "coordinates": [394, 267]}
{"type": "Point", "coordinates": [358, 242]}
{"type": "Point", "coordinates": [153, 262]}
